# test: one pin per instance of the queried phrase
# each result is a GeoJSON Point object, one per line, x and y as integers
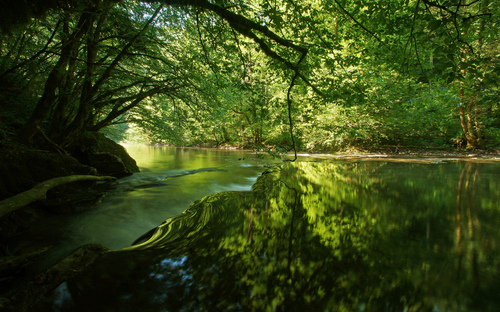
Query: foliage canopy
{"type": "Point", "coordinates": [315, 74]}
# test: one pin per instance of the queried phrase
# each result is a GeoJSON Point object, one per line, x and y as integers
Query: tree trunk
{"type": "Point", "coordinates": [465, 111]}
{"type": "Point", "coordinates": [66, 98]}
{"type": "Point", "coordinates": [49, 96]}
{"type": "Point", "coordinates": [84, 116]}
{"type": "Point", "coordinates": [44, 104]}
{"type": "Point", "coordinates": [465, 121]}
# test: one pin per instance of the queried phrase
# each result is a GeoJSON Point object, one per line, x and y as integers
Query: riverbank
{"type": "Point", "coordinates": [432, 151]}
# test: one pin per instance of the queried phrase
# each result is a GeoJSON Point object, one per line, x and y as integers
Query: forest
{"type": "Point", "coordinates": [367, 79]}
{"type": "Point", "coordinates": [314, 75]}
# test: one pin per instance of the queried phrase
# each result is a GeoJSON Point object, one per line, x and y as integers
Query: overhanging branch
{"type": "Point", "coordinates": [248, 28]}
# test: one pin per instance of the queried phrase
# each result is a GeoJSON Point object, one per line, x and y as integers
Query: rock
{"type": "Point", "coordinates": [108, 157]}
{"type": "Point", "coordinates": [22, 168]}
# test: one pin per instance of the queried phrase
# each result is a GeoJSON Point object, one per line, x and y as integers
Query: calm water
{"type": "Point", "coordinates": [342, 235]}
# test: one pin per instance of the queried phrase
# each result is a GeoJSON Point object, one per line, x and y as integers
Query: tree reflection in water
{"type": "Point", "coordinates": [357, 236]}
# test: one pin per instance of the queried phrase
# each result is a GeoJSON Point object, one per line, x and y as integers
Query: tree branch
{"type": "Point", "coordinates": [123, 52]}
{"type": "Point", "coordinates": [439, 6]}
{"type": "Point", "coordinates": [206, 54]}
{"type": "Point", "coordinates": [84, 109]}
{"type": "Point", "coordinates": [246, 27]}
{"type": "Point", "coordinates": [289, 106]}
{"type": "Point", "coordinates": [36, 55]}
{"type": "Point", "coordinates": [57, 147]}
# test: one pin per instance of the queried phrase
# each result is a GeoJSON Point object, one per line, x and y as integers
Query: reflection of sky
{"type": "Point", "coordinates": [167, 272]}
{"type": "Point", "coordinates": [62, 296]}
{"type": "Point", "coordinates": [173, 264]}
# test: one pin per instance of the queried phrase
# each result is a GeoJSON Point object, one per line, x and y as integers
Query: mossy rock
{"type": "Point", "coordinates": [108, 157]}
{"type": "Point", "coordinates": [22, 168]}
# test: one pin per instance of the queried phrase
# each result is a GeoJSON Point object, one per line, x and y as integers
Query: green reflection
{"type": "Point", "coordinates": [357, 236]}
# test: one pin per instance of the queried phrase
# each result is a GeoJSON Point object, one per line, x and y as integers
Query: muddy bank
{"type": "Point", "coordinates": [419, 151]}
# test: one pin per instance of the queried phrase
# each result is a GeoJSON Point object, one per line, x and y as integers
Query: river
{"type": "Point", "coordinates": [169, 181]}
{"type": "Point", "coordinates": [340, 234]}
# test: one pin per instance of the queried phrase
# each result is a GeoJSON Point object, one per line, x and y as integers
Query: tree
{"type": "Point", "coordinates": [336, 74]}
{"type": "Point", "coordinates": [92, 82]}
{"type": "Point", "coordinates": [447, 46]}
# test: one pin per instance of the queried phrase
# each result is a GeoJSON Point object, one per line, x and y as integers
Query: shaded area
{"type": "Point", "coordinates": [96, 150]}
{"type": "Point", "coordinates": [68, 267]}
{"type": "Point", "coordinates": [39, 190]}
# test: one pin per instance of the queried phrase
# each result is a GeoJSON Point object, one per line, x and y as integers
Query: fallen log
{"type": "Point", "coordinates": [39, 191]}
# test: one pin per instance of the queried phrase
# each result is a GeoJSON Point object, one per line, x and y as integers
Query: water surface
{"type": "Point", "coordinates": [356, 235]}
{"type": "Point", "coordinates": [169, 181]}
